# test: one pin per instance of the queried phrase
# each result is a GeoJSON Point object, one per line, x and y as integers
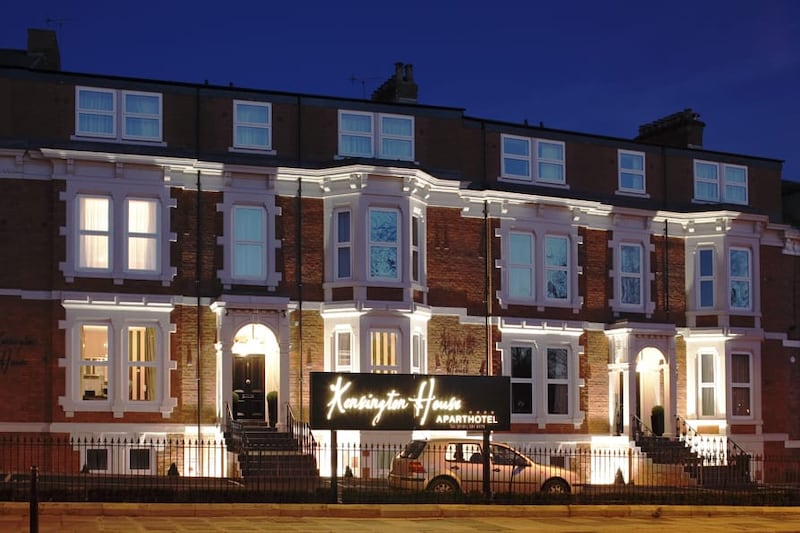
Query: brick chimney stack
{"type": "Point", "coordinates": [683, 129]}
{"type": "Point", "coordinates": [43, 49]}
{"type": "Point", "coordinates": [400, 88]}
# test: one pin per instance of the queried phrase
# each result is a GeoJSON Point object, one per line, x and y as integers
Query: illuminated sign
{"type": "Point", "coordinates": [409, 401]}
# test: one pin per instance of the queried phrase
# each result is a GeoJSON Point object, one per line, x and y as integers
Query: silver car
{"type": "Point", "coordinates": [452, 465]}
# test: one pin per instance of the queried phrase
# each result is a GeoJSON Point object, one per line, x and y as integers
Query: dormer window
{"type": "Point", "coordinates": [376, 135]}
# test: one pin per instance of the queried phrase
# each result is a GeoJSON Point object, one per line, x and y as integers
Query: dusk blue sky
{"type": "Point", "coordinates": [590, 66]}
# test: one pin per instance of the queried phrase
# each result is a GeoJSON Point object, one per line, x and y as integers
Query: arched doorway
{"type": "Point", "coordinates": [255, 370]}
{"type": "Point", "coordinates": [651, 387]}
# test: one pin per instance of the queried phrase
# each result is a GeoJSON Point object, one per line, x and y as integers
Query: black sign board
{"type": "Point", "coordinates": [409, 401]}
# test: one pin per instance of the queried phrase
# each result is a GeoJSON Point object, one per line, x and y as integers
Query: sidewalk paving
{"type": "Point", "coordinates": [356, 518]}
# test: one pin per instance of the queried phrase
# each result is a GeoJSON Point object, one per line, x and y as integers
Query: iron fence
{"type": "Point", "coordinates": [207, 471]}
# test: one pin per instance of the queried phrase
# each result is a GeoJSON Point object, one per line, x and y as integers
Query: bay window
{"type": "Point", "coordinates": [740, 279]}
{"type": "Point", "coordinates": [384, 244]}
{"type": "Point", "coordinates": [741, 385]}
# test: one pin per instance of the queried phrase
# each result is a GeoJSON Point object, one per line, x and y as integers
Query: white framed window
{"type": "Point", "coordinates": [142, 364]}
{"type": "Point", "coordinates": [523, 401]}
{"type": "Point", "coordinates": [720, 182]}
{"type": "Point", "coordinates": [558, 381]}
{"type": "Point", "coordinates": [416, 256]}
{"type": "Point", "coordinates": [94, 240]}
{"type": "Point", "coordinates": [378, 135]}
{"type": "Point", "coordinates": [252, 125]}
{"type": "Point", "coordinates": [249, 242]}
{"type": "Point", "coordinates": [417, 365]}
{"type": "Point", "coordinates": [521, 282]}
{"type": "Point", "coordinates": [705, 278]}
{"type": "Point", "coordinates": [550, 161]}
{"type": "Point", "coordinates": [343, 245]}
{"type": "Point", "coordinates": [343, 354]}
{"type": "Point", "coordinates": [93, 365]}
{"type": "Point", "coordinates": [740, 279]}
{"type": "Point", "coordinates": [516, 162]}
{"type": "Point", "coordinates": [741, 385]}
{"type": "Point", "coordinates": [143, 235]}
{"type": "Point", "coordinates": [120, 234]}
{"type": "Point", "coordinates": [537, 160]}
{"type": "Point", "coordinates": [384, 345]}
{"type": "Point", "coordinates": [138, 118]}
{"type": "Point", "coordinates": [707, 387]}
{"type": "Point", "coordinates": [556, 264]}
{"type": "Point", "coordinates": [95, 112]}
{"type": "Point", "coordinates": [248, 237]}
{"type": "Point", "coordinates": [384, 244]}
{"type": "Point", "coordinates": [631, 171]}
{"type": "Point", "coordinates": [630, 275]}
{"type": "Point", "coordinates": [117, 355]}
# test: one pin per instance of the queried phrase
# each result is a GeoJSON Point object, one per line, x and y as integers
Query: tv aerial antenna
{"type": "Point", "coordinates": [363, 81]}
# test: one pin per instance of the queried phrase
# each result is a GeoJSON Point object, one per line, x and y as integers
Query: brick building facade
{"type": "Point", "coordinates": [165, 242]}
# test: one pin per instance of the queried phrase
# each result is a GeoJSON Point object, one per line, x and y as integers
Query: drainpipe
{"type": "Point", "coordinates": [198, 265]}
{"type": "Point", "coordinates": [199, 322]}
{"type": "Point", "coordinates": [299, 252]}
{"type": "Point", "coordinates": [487, 286]}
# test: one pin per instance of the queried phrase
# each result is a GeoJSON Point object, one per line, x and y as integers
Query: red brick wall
{"type": "Point", "coordinates": [456, 260]}
{"type": "Point", "coordinates": [595, 285]}
{"type": "Point", "coordinates": [594, 371]}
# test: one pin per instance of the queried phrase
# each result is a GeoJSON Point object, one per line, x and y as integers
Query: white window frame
{"type": "Point", "coordinates": [342, 245]}
{"type": "Point", "coordinates": [121, 315]}
{"type": "Point", "coordinates": [523, 380]}
{"type": "Point", "coordinates": [259, 244]}
{"type": "Point", "coordinates": [722, 183]}
{"type": "Point", "coordinates": [742, 385]}
{"type": "Point", "coordinates": [112, 113]}
{"type": "Point", "coordinates": [397, 244]}
{"type": "Point", "coordinates": [236, 196]}
{"type": "Point", "coordinates": [621, 275]}
{"type": "Point", "coordinates": [748, 279]}
{"type": "Point", "coordinates": [120, 114]}
{"type": "Point", "coordinates": [381, 340]}
{"type": "Point", "coordinates": [416, 267]}
{"type": "Point", "coordinates": [417, 361]}
{"type": "Point", "coordinates": [137, 365]}
{"type": "Point", "coordinates": [340, 334]}
{"type": "Point", "coordinates": [533, 160]}
{"type": "Point", "coordinates": [548, 268]}
{"type": "Point", "coordinates": [557, 381]}
{"type": "Point", "coordinates": [238, 144]}
{"type": "Point", "coordinates": [706, 385]}
{"type": "Point", "coordinates": [154, 237]}
{"type": "Point", "coordinates": [709, 278]}
{"type": "Point", "coordinates": [530, 267]}
{"type": "Point", "coordinates": [93, 233]}
{"type": "Point", "coordinates": [118, 191]}
{"type": "Point", "coordinates": [621, 171]}
{"type": "Point", "coordinates": [376, 135]}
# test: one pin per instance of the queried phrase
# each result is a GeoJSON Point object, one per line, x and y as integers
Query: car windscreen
{"type": "Point", "coordinates": [413, 449]}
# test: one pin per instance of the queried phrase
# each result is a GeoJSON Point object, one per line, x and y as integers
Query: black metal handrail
{"type": "Point", "coordinates": [300, 431]}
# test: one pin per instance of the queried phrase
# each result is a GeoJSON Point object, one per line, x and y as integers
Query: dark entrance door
{"type": "Point", "coordinates": [248, 386]}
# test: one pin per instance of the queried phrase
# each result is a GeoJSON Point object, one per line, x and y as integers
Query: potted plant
{"type": "Point", "coordinates": [272, 407]}
{"type": "Point", "coordinates": [657, 420]}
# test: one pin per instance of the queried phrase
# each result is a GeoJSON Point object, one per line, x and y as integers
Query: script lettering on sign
{"type": "Point", "coordinates": [424, 402]}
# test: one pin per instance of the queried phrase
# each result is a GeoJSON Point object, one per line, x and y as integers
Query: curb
{"type": "Point", "coordinates": [391, 511]}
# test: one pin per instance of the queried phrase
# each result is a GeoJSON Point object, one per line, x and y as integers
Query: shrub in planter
{"type": "Point", "coordinates": [272, 407]}
{"type": "Point", "coordinates": [657, 420]}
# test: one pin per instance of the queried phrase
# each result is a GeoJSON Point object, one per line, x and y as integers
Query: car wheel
{"type": "Point", "coordinates": [556, 486]}
{"type": "Point", "coordinates": [443, 485]}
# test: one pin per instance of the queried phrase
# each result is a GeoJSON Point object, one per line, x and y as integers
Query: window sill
{"type": "Point", "coordinates": [632, 193]}
{"type": "Point", "coordinates": [117, 140]}
{"type": "Point", "coordinates": [254, 151]}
